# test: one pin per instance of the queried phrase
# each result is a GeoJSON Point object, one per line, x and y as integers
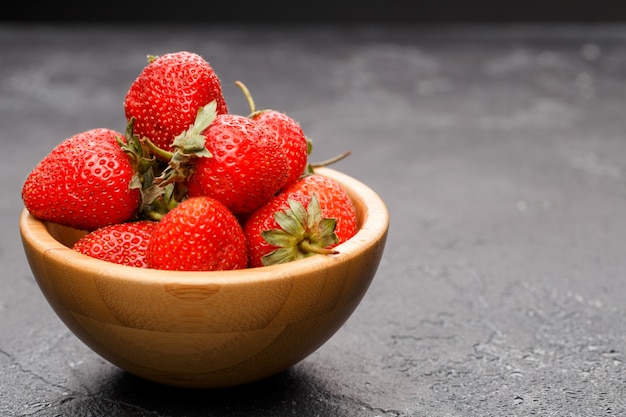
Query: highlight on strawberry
{"type": "Point", "coordinates": [189, 185]}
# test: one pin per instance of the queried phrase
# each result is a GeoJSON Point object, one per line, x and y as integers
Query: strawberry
{"type": "Point", "coordinates": [84, 182]}
{"type": "Point", "coordinates": [289, 132]}
{"type": "Point", "coordinates": [292, 138]}
{"type": "Point", "coordinates": [121, 243]}
{"type": "Point", "coordinates": [166, 95]}
{"type": "Point", "coordinates": [311, 216]}
{"type": "Point", "coordinates": [199, 234]}
{"type": "Point", "coordinates": [246, 166]}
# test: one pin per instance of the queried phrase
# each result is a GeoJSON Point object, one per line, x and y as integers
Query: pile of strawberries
{"type": "Point", "coordinates": [188, 185]}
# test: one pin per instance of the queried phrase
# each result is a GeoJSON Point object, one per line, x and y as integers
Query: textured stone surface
{"type": "Point", "coordinates": [501, 154]}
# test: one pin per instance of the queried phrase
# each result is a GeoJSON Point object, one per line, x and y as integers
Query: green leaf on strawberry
{"type": "Point", "coordinates": [163, 180]}
{"type": "Point", "coordinates": [329, 211]}
{"type": "Point", "coordinates": [188, 145]}
{"type": "Point", "coordinates": [140, 158]}
{"type": "Point", "coordinates": [303, 232]}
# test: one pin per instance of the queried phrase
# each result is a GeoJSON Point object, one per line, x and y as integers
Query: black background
{"type": "Point", "coordinates": [297, 12]}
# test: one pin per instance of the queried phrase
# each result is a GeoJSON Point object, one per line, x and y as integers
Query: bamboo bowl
{"type": "Point", "coordinates": [207, 329]}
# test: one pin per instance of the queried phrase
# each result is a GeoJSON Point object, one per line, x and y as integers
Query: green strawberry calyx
{"type": "Point", "coordinates": [188, 145]}
{"type": "Point", "coordinates": [191, 143]}
{"type": "Point", "coordinates": [144, 165]}
{"type": "Point", "coordinates": [167, 186]}
{"type": "Point", "coordinates": [303, 232]}
{"type": "Point", "coordinates": [163, 185]}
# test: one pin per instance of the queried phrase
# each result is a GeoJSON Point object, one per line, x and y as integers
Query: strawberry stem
{"type": "Point", "coordinates": [162, 204]}
{"type": "Point", "coordinates": [305, 246]}
{"type": "Point", "coordinates": [332, 160]}
{"type": "Point", "coordinates": [248, 96]}
{"type": "Point", "coordinates": [158, 152]}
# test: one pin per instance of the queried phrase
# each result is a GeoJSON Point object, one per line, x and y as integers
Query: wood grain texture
{"type": "Point", "coordinates": [208, 329]}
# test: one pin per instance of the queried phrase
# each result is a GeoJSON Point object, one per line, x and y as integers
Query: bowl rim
{"type": "Point", "coordinates": [374, 224]}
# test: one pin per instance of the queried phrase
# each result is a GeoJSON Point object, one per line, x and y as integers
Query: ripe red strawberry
{"type": "Point", "coordinates": [84, 182]}
{"type": "Point", "coordinates": [292, 138]}
{"type": "Point", "coordinates": [199, 234]}
{"type": "Point", "coordinates": [311, 216]}
{"type": "Point", "coordinates": [167, 94]}
{"type": "Point", "coordinates": [246, 168]}
{"type": "Point", "coordinates": [121, 243]}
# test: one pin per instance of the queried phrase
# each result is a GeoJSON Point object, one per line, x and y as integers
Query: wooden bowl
{"type": "Point", "coordinates": [208, 329]}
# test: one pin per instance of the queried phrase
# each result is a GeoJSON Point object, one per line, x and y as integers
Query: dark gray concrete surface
{"type": "Point", "coordinates": [501, 154]}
